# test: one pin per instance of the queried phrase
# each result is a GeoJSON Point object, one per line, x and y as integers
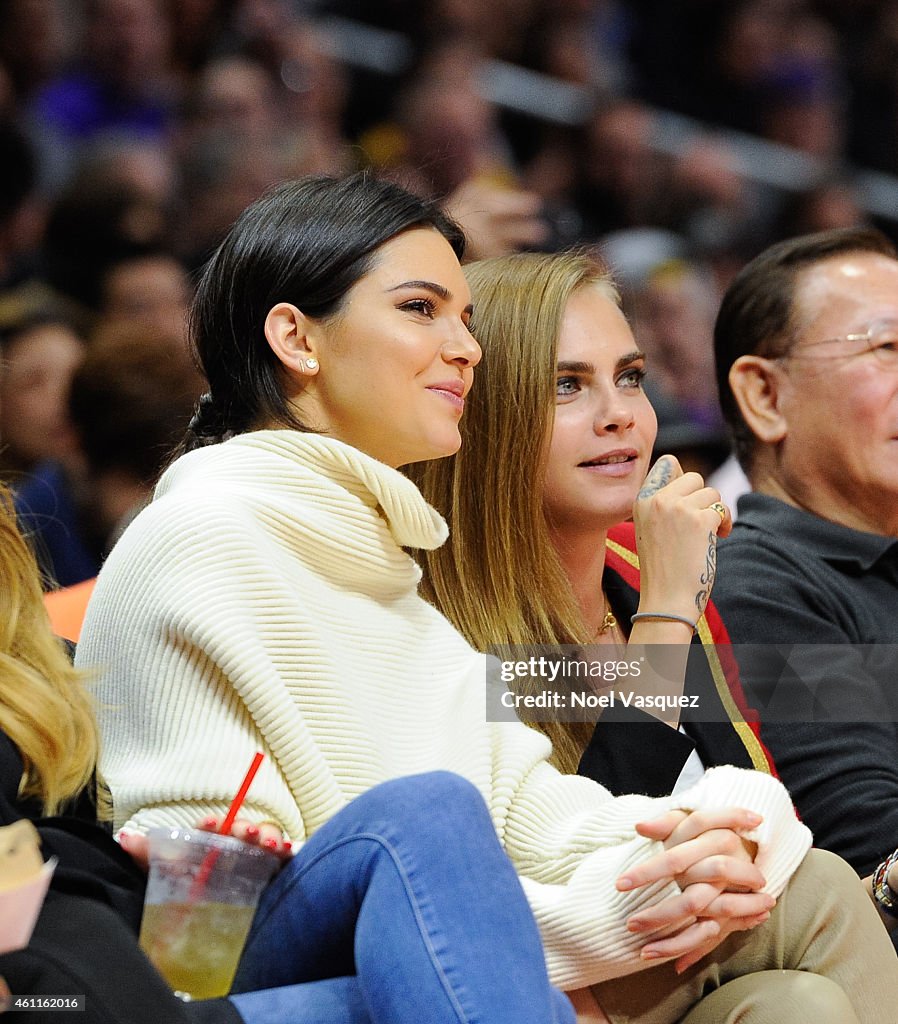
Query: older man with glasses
{"type": "Point", "coordinates": [806, 343]}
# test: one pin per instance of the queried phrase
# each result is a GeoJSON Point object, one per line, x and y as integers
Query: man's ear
{"type": "Point", "coordinates": [757, 385]}
{"type": "Point", "coordinates": [291, 335]}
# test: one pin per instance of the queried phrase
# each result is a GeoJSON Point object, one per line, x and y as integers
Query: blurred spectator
{"type": "Point", "coordinates": [802, 99]}
{"type": "Point", "coordinates": [130, 402]}
{"type": "Point", "coordinates": [308, 87]}
{"type": "Point", "coordinates": [258, 29]}
{"type": "Point", "coordinates": [831, 204]}
{"type": "Point", "coordinates": [35, 41]}
{"type": "Point", "coordinates": [622, 178]}
{"type": "Point", "coordinates": [674, 315]}
{"type": "Point", "coordinates": [195, 29]}
{"type": "Point", "coordinates": [39, 357]}
{"type": "Point", "coordinates": [233, 95]}
{"type": "Point", "coordinates": [581, 41]}
{"type": "Point", "coordinates": [699, 447]}
{"type": "Point", "coordinates": [21, 211]}
{"type": "Point", "coordinates": [117, 206]}
{"type": "Point", "coordinates": [298, 112]}
{"type": "Point", "coordinates": [97, 221]}
{"type": "Point", "coordinates": [751, 41]}
{"type": "Point", "coordinates": [314, 94]}
{"type": "Point", "coordinates": [153, 289]}
{"type": "Point", "coordinates": [121, 83]}
{"type": "Point", "coordinates": [672, 301]}
{"type": "Point", "coordinates": [447, 132]}
{"type": "Point", "coordinates": [219, 180]}
{"type": "Point", "coordinates": [873, 127]}
{"type": "Point", "coordinates": [497, 220]}
{"type": "Point", "coordinates": [771, 67]}
{"type": "Point", "coordinates": [145, 169]}
{"type": "Point", "coordinates": [711, 202]}
{"type": "Point", "coordinates": [447, 141]}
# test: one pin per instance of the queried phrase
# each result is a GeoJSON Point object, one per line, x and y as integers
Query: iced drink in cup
{"type": "Point", "coordinates": [201, 896]}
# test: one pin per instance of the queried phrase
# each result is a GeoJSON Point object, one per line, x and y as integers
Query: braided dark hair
{"type": "Point", "coordinates": [206, 426]}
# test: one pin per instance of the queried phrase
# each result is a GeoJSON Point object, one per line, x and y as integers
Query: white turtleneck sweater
{"type": "Point", "coordinates": [263, 601]}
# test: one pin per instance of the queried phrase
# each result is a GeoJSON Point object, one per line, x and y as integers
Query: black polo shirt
{"type": "Point", "coordinates": [786, 576]}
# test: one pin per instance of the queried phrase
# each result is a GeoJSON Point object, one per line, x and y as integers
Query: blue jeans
{"type": "Point", "coordinates": [406, 903]}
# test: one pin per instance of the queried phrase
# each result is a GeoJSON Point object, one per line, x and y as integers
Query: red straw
{"type": "Point", "coordinates": [199, 883]}
{"type": "Point", "coordinates": [237, 802]}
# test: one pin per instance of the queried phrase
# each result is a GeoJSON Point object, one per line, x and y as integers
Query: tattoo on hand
{"type": "Point", "coordinates": [707, 577]}
{"type": "Point", "coordinates": [660, 476]}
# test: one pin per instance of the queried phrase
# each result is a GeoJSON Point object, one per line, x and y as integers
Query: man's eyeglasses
{"type": "Point", "coordinates": [880, 340]}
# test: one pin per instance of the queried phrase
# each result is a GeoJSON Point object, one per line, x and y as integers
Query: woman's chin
{"type": "Point", "coordinates": [612, 506]}
{"type": "Point", "coordinates": [442, 448]}
{"type": "Point", "coordinates": [430, 453]}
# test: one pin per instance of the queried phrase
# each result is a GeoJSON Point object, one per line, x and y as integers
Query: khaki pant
{"type": "Point", "coordinates": [823, 957]}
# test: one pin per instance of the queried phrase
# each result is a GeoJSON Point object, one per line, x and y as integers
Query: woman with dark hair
{"type": "Point", "coordinates": [264, 599]}
{"type": "Point", "coordinates": [293, 259]}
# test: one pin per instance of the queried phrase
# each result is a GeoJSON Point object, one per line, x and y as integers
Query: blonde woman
{"type": "Point", "coordinates": [555, 452]}
{"type": "Point", "coordinates": [45, 711]}
{"type": "Point", "coordinates": [85, 936]}
{"type": "Point", "coordinates": [552, 484]}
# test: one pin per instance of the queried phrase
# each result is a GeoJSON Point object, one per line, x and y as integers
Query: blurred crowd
{"type": "Point", "coordinates": [132, 132]}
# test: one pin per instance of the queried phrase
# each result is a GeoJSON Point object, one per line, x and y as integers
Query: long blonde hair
{"type": "Point", "coordinates": [498, 578]}
{"type": "Point", "coordinates": [44, 708]}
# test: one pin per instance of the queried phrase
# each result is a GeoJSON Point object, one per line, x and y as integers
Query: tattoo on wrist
{"type": "Point", "coordinates": [707, 577]}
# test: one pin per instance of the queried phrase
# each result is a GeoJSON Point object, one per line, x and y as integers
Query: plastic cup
{"type": "Point", "coordinates": [202, 893]}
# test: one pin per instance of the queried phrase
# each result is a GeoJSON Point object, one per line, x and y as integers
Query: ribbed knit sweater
{"type": "Point", "coordinates": [264, 601]}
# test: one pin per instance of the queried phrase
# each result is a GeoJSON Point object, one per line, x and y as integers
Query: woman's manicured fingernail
{"type": "Point", "coordinates": [288, 845]}
{"type": "Point", "coordinates": [252, 831]}
{"type": "Point", "coordinates": [210, 822]}
{"type": "Point", "coordinates": [650, 954]}
{"type": "Point", "coordinates": [624, 883]}
{"type": "Point", "coordinates": [271, 844]}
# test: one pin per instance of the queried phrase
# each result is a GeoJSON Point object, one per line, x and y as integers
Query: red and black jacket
{"type": "Point", "coordinates": [632, 752]}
